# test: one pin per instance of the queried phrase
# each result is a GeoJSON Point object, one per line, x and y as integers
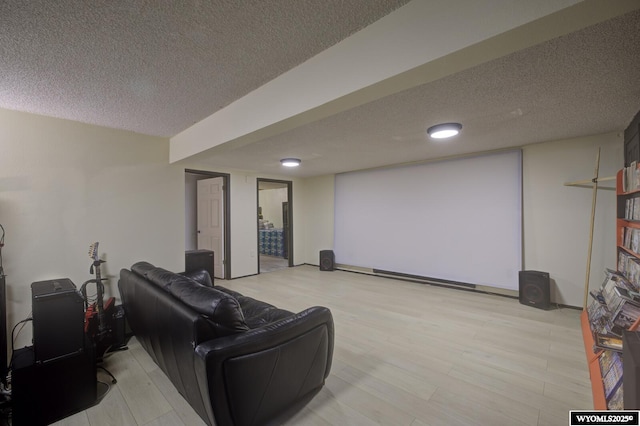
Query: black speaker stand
{"type": "Point", "coordinates": [113, 378]}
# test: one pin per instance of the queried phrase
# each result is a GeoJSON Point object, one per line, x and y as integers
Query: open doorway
{"type": "Point", "coordinates": [275, 225]}
{"type": "Point", "coordinates": [207, 217]}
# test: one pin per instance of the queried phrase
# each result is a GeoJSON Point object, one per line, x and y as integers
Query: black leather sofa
{"type": "Point", "coordinates": [236, 360]}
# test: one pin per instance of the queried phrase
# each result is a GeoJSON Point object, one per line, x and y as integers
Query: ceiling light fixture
{"type": "Point", "coordinates": [290, 162]}
{"type": "Point", "coordinates": [445, 130]}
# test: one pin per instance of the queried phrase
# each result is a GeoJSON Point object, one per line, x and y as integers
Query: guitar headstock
{"type": "Point", "coordinates": [93, 251]}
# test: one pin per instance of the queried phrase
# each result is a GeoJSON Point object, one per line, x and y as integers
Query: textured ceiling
{"type": "Point", "coordinates": [159, 67]}
{"type": "Point", "coordinates": [584, 83]}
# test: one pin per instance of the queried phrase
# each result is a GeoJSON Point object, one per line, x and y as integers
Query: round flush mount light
{"type": "Point", "coordinates": [290, 162]}
{"type": "Point", "coordinates": [445, 130]}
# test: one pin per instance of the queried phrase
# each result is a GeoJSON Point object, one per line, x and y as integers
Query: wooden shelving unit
{"type": "Point", "coordinates": [597, 387]}
{"type": "Point", "coordinates": [593, 353]}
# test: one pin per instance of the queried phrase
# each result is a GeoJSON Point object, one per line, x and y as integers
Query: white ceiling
{"type": "Point", "coordinates": [160, 69]}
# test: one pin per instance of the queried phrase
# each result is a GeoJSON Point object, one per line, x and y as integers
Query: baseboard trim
{"type": "Point", "coordinates": [512, 294]}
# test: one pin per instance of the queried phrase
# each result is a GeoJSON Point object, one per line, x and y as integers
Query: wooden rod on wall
{"type": "Point", "coordinates": [593, 215]}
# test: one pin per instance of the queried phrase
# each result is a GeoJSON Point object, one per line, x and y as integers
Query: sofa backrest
{"type": "Point", "coordinates": [201, 276]}
{"type": "Point", "coordinates": [163, 278]}
{"type": "Point", "coordinates": [221, 310]}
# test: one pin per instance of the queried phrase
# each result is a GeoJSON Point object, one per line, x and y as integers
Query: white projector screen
{"type": "Point", "coordinates": [458, 220]}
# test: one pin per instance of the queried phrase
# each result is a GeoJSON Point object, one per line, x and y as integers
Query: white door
{"type": "Point", "coordinates": [210, 223]}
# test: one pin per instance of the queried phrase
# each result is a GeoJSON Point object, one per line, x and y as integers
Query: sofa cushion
{"type": "Point", "coordinates": [201, 276]}
{"type": "Point", "coordinates": [231, 292]}
{"type": "Point", "coordinates": [257, 313]}
{"type": "Point", "coordinates": [221, 309]}
{"type": "Point", "coordinates": [142, 268]}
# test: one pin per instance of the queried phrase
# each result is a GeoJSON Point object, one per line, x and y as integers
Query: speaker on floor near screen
{"type": "Point", "coordinates": [327, 260]}
{"type": "Point", "coordinates": [535, 289]}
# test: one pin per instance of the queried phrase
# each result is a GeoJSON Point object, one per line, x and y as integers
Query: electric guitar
{"type": "Point", "coordinates": [101, 333]}
{"type": "Point", "coordinates": [95, 266]}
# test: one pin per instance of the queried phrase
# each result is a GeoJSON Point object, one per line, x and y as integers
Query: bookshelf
{"type": "Point", "coordinates": [616, 305]}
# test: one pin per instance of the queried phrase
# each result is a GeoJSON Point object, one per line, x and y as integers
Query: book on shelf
{"type": "Point", "coordinates": [612, 379]}
{"type": "Point", "coordinates": [608, 342]}
{"type": "Point", "coordinates": [616, 401]}
{"type": "Point", "coordinates": [606, 360]}
{"type": "Point", "coordinates": [624, 316]}
{"type": "Point", "coordinates": [615, 307]}
{"type": "Point", "coordinates": [630, 177]}
{"type": "Point", "coordinates": [632, 207]}
{"type": "Point", "coordinates": [629, 266]}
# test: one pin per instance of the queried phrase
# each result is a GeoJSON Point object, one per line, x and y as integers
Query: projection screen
{"type": "Point", "coordinates": [456, 220]}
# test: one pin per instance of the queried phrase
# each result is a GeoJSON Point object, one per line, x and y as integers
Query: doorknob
{"type": "Point", "coordinates": [198, 231]}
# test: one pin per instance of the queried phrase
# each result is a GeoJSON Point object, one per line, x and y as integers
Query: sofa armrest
{"type": "Point", "coordinates": [253, 376]}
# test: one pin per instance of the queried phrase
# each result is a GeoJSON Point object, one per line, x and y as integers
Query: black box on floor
{"type": "Point", "coordinates": [44, 393]}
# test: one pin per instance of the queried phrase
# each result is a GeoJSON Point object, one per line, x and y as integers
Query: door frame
{"type": "Point", "coordinates": [226, 208]}
{"type": "Point", "coordinates": [289, 235]}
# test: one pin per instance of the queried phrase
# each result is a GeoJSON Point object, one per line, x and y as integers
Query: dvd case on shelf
{"type": "Point", "coordinates": [613, 378]}
{"type": "Point", "coordinates": [616, 401]}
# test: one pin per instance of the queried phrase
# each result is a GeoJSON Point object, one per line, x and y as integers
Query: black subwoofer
{"type": "Point", "coordinates": [195, 260]}
{"type": "Point", "coordinates": [535, 289]}
{"type": "Point", "coordinates": [327, 260]}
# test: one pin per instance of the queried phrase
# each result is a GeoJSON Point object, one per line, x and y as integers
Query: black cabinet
{"type": "Point", "coordinates": [195, 260]}
{"type": "Point", "coordinates": [45, 393]}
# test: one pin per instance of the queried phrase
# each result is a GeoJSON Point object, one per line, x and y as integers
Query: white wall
{"type": "Point", "coordinates": [244, 222]}
{"type": "Point", "coordinates": [271, 202]}
{"type": "Point", "coordinates": [318, 211]}
{"type": "Point", "coordinates": [64, 185]}
{"type": "Point", "coordinates": [557, 217]}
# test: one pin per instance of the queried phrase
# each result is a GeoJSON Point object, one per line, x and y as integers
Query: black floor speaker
{"type": "Point", "coordinates": [58, 320]}
{"type": "Point", "coordinates": [327, 260]}
{"type": "Point", "coordinates": [535, 289]}
{"type": "Point", "coordinates": [195, 260]}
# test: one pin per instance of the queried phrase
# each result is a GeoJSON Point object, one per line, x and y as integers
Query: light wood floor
{"type": "Point", "coordinates": [272, 263]}
{"type": "Point", "coordinates": [405, 354]}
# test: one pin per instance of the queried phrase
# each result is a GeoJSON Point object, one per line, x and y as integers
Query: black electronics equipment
{"type": "Point", "coordinates": [327, 260]}
{"type": "Point", "coordinates": [121, 331]}
{"type": "Point", "coordinates": [632, 141]}
{"type": "Point", "coordinates": [58, 320]}
{"type": "Point", "coordinates": [535, 289]}
{"type": "Point", "coordinates": [3, 330]}
{"type": "Point", "coordinates": [631, 369]}
{"type": "Point", "coordinates": [199, 259]}
{"type": "Point", "coordinates": [44, 393]}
